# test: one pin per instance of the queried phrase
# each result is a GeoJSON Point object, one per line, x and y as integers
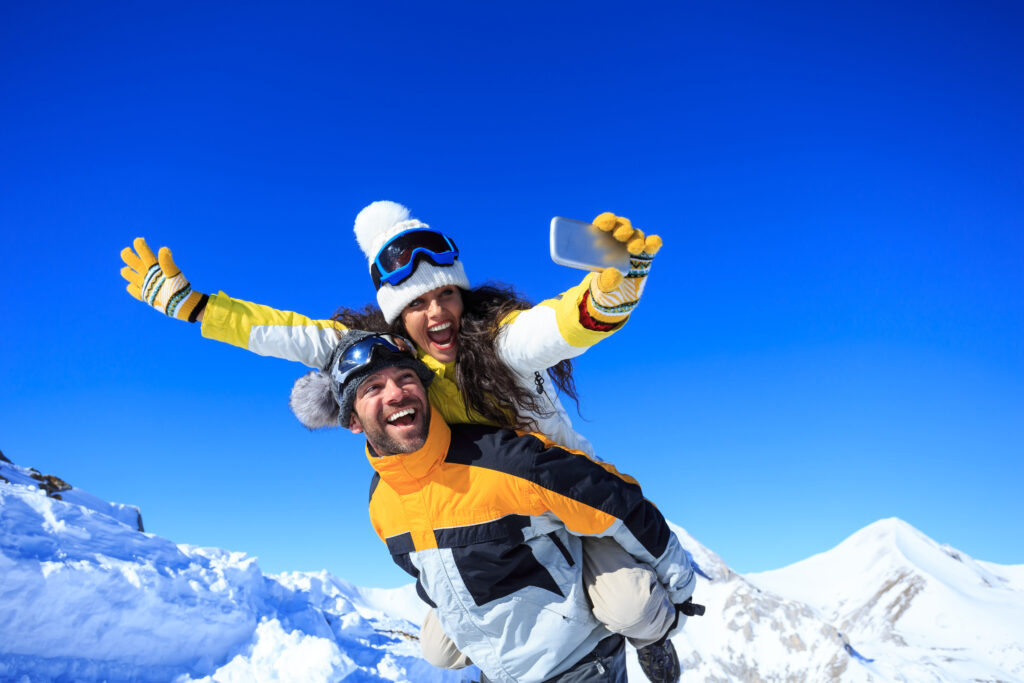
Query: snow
{"type": "Point", "coordinates": [279, 655]}
{"type": "Point", "coordinates": [912, 601]}
{"type": "Point", "coordinates": [85, 595]}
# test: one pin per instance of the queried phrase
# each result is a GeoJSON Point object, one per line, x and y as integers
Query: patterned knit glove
{"type": "Point", "coordinates": [612, 295]}
{"type": "Point", "coordinates": [160, 283]}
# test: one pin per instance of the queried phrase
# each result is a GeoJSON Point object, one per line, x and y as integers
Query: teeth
{"type": "Point", "coordinates": [400, 414]}
{"type": "Point", "coordinates": [438, 328]}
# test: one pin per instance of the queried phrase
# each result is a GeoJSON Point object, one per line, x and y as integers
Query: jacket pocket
{"type": "Point", "coordinates": [561, 548]}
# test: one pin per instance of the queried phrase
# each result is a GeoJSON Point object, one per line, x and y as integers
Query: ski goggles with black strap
{"type": "Point", "coordinates": [397, 259]}
{"type": "Point", "coordinates": [362, 353]}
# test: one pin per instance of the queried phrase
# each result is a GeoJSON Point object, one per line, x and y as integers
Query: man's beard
{"type": "Point", "coordinates": [376, 433]}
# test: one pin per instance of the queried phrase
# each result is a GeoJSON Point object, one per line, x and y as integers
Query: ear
{"type": "Point", "coordinates": [354, 425]}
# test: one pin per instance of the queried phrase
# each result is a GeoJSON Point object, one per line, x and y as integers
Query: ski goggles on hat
{"type": "Point", "coordinates": [397, 259]}
{"type": "Point", "coordinates": [362, 353]}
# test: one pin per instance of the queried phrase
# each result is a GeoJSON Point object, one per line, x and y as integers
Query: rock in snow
{"type": "Point", "coordinates": [85, 595]}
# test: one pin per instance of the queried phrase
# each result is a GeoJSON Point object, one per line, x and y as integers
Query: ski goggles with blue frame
{"type": "Point", "coordinates": [362, 353]}
{"type": "Point", "coordinates": [397, 259]}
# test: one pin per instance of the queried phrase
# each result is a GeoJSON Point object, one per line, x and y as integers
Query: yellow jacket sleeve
{"type": "Point", "coordinates": [270, 332]}
{"type": "Point", "coordinates": [550, 332]}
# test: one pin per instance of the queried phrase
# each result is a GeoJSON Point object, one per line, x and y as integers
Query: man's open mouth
{"type": "Point", "coordinates": [402, 418]}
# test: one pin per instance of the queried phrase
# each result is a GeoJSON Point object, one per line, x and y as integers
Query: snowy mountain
{"type": "Point", "coordinates": [86, 595]}
{"type": "Point", "coordinates": [887, 604]}
{"type": "Point", "coordinates": [921, 610]}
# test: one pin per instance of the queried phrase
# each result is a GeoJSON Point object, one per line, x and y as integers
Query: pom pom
{"type": "Point", "coordinates": [374, 222]}
{"type": "Point", "coordinates": [312, 401]}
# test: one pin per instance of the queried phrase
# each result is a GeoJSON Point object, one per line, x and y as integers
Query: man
{"type": "Point", "coordinates": [489, 520]}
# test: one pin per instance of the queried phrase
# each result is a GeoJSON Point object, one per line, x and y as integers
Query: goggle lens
{"type": "Point", "coordinates": [396, 260]}
{"type": "Point", "coordinates": [361, 353]}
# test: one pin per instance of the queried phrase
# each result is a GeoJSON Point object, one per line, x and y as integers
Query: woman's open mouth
{"type": "Point", "coordinates": [442, 335]}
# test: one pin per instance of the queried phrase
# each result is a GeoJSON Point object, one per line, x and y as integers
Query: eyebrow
{"type": "Point", "coordinates": [367, 382]}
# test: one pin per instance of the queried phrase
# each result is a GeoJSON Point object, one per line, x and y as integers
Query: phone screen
{"type": "Point", "coordinates": [579, 244]}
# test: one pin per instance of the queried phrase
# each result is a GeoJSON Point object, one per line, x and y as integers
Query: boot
{"type": "Point", "coordinates": [659, 662]}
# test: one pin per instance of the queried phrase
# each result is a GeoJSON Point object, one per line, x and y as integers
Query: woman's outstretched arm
{"type": "Point", "coordinates": [158, 282]}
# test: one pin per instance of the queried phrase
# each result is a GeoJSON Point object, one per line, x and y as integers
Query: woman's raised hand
{"type": "Point", "coordinates": [614, 294]}
{"type": "Point", "coordinates": [160, 283]}
{"type": "Point", "coordinates": [622, 229]}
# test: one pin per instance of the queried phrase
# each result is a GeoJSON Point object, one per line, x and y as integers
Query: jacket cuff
{"type": "Point", "coordinates": [589, 321]}
{"type": "Point", "coordinates": [568, 314]}
{"type": "Point", "coordinates": [217, 322]}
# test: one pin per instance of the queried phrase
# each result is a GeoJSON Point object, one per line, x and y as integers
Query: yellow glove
{"type": "Point", "coordinates": [614, 295]}
{"type": "Point", "coordinates": [160, 283]}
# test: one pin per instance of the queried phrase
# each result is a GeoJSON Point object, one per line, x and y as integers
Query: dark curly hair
{"type": "Point", "coordinates": [487, 385]}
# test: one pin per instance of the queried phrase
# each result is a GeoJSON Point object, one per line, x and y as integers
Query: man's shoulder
{"type": "Point", "coordinates": [497, 437]}
{"type": "Point", "coordinates": [535, 458]}
{"type": "Point", "coordinates": [507, 450]}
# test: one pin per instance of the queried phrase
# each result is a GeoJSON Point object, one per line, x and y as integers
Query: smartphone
{"type": "Point", "coordinates": [579, 244]}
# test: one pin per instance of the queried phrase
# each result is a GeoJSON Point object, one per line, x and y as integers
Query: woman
{"type": "Point", "coordinates": [491, 352]}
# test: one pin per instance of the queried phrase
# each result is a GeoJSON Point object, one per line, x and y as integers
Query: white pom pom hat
{"type": "Point", "coordinates": [378, 223]}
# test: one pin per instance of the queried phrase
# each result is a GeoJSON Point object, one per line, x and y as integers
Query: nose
{"type": "Point", "coordinates": [392, 392]}
{"type": "Point", "coordinates": [433, 308]}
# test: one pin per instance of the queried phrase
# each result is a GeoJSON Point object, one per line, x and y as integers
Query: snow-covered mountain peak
{"type": "Point", "coordinates": [889, 550]}
{"type": "Point", "coordinates": [898, 543]}
{"type": "Point", "coordinates": [917, 600]}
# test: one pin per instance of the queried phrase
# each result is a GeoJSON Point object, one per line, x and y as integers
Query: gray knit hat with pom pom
{"type": "Point", "coordinates": [320, 400]}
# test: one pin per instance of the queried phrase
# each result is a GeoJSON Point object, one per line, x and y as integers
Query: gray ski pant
{"type": "Point", "coordinates": [605, 664]}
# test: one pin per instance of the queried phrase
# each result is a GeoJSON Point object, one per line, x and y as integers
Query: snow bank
{"type": "Point", "coordinates": [86, 596]}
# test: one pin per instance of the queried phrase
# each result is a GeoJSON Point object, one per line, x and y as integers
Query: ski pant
{"type": "Point", "coordinates": [626, 597]}
{"type": "Point", "coordinates": [605, 664]}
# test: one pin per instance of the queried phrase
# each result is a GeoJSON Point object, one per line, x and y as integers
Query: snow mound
{"type": "Point", "coordinates": [86, 596]}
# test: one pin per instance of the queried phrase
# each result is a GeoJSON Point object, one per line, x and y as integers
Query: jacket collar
{"type": "Point", "coordinates": [437, 367]}
{"type": "Point", "coordinates": [410, 468]}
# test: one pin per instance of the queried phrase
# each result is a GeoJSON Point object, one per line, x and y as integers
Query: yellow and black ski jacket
{"type": "Point", "coordinates": [489, 521]}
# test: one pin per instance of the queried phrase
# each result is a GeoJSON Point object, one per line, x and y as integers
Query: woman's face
{"type": "Point", "coordinates": [432, 320]}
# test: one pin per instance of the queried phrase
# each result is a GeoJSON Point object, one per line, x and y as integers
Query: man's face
{"type": "Point", "coordinates": [391, 408]}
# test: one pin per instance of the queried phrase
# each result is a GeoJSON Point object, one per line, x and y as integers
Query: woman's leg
{"type": "Point", "coordinates": [438, 648]}
{"type": "Point", "coordinates": [627, 596]}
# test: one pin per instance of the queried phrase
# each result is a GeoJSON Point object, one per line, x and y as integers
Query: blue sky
{"type": "Point", "coordinates": [832, 334]}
